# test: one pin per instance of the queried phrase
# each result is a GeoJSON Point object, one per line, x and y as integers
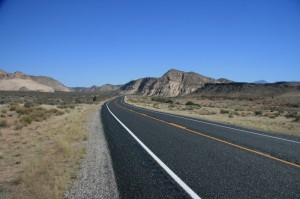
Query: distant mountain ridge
{"type": "Point", "coordinates": [224, 80]}
{"type": "Point", "coordinates": [261, 82]}
{"type": "Point", "coordinates": [106, 88]}
{"type": "Point", "coordinates": [19, 81]}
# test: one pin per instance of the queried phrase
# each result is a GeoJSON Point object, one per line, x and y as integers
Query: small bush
{"type": "Point", "coordinates": [169, 101]}
{"type": "Point", "coordinates": [230, 116]}
{"type": "Point", "coordinates": [171, 106]}
{"type": "Point", "coordinates": [4, 111]}
{"type": "Point", "coordinates": [56, 112]}
{"type": "Point", "coordinates": [23, 110]}
{"type": "Point", "coordinates": [258, 113]}
{"type": "Point", "coordinates": [190, 103]}
{"type": "Point", "coordinates": [39, 116]}
{"type": "Point", "coordinates": [291, 114]}
{"type": "Point", "coordinates": [94, 98]}
{"type": "Point", "coordinates": [61, 106]}
{"type": "Point", "coordinates": [12, 108]}
{"type": "Point", "coordinates": [28, 104]}
{"type": "Point", "coordinates": [297, 119]}
{"type": "Point", "coordinates": [236, 113]}
{"type": "Point", "coordinates": [189, 108]}
{"type": "Point", "coordinates": [26, 119]}
{"type": "Point", "coordinates": [162, 100]}
{"type": "Point", "coordinates": [65, 106]}
{"type": "Point", "coordinates": [18, 127]}
{"type": "Point", "coordinates": [155, 105]}
{"type": "Point", "coordinates": [222, 111]}
{"type": "Point", "coordinates": [3, 123]}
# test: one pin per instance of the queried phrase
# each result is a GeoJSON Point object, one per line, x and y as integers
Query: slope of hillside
{"type": "Point", "coordinates": [18, 84]}
{"type": "Point", "coordinates": [261, 82]}
{"type": "Point", "coordinates": [249, 90]}
{"type": "Point", "coordinates": [171, 84]}
{"type": "Point", "coordinates": [105, 88]}
{"type": "Point", "coordinates": [48, 81]}
{"type": "Point", "coordinates": [140, 86]}
{"type": "Point", "coordinates": [224, 80]}
{"type": "Point", "coordinates": [79, 89]}
{"type": "Point", "coordinates": [19, 81]}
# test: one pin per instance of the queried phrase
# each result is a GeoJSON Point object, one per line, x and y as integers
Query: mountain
{"type": "Point", "coordinates": [172, 83]}
{"type": "Point", "coordinates": [224, 80]}
{"type": "Point", "coordinates": [48, 81]}
{"type": "Point", "coordinates": [18, 81]}
{"type": "Point", "coordinates": [249, 90]}
{"type": "Point", "coordinates": [23, 85]}
{"type": "Point", "coordinates": [107, 88]}
{"type": "Point", "coordinates": [79, 89]}
{"type": "Point", "coordinates": [261, 82]}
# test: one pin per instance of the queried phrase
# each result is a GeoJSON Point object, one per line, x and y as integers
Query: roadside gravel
{"type": "Point", "coordinates": [96, 178]}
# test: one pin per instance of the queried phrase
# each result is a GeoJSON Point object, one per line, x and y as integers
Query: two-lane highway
{"type": "Point", "coordinates": [157, 155]}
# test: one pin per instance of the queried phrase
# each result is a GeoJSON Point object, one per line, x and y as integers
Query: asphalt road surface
{"type": "Point", "coordinates": [158, 155]}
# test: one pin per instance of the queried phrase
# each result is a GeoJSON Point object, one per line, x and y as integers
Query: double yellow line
{"type": "Point", "coordinates": [213, 138]}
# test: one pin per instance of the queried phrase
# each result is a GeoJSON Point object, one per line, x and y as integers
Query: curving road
{"type": "Point", "coordinates": [158, 155]}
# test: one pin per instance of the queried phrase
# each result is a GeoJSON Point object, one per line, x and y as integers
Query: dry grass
{"type": "Point", "coordinates": [40, 158]}
{"type": "Point", "coordinates": [274, 115]}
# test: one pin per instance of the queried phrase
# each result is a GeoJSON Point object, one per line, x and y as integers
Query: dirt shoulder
{"type": "Point", "coordinates": [96, 177]}
{"type": "Point", "coordinates": [273, 115]}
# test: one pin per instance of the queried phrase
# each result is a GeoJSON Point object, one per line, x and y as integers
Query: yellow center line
{"type": "Point", "coordinates": [178, 126]}
{"type": "Point", "coordinates": [214, 138]}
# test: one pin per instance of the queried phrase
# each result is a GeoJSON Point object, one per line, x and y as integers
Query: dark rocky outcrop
{"type": "Point", "coordinates": [249, 90]}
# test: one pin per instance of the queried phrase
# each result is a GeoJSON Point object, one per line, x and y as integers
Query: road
{"type": "Point", "coordinates": [157, 155]}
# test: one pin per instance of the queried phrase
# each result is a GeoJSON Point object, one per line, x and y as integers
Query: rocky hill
{"type": "Point", "coordinates": [21, 82]}
{"type": "Point", "coordinates": [171, 84]}
{"type": "Point", "coordinates": [249, 90]}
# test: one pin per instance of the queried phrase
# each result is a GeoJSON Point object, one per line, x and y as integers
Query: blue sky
{"type": "Point", "coordinates": [85, 43]}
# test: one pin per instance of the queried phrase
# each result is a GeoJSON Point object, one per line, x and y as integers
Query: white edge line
{"type": "Point", "coordinates": [212, 124]}
{"type": "Point", "coordinates": [163, 165]}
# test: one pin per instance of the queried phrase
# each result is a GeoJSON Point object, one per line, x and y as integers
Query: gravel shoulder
{"type": "Point", "coordinates": [96, 177]}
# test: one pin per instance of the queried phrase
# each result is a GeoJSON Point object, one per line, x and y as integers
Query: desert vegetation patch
{"type": "Point", "coordinates": [277, 115]}
{"type": "Point", "coordinates": [42, 138]}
